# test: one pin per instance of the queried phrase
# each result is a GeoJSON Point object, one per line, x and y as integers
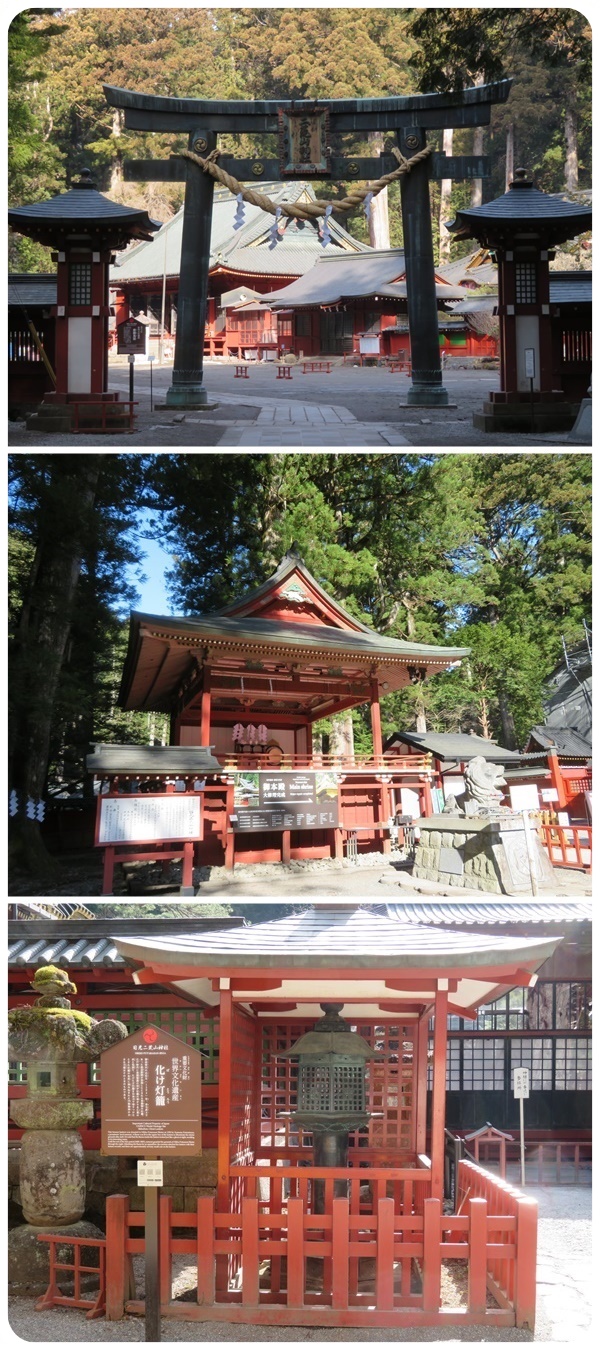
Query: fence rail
{"type": "Point", "coordinates": [568, 845]}
{"type": "Point", "coordinates": [256, 757]}
{"type": "Point", "coordinates": [55, 1296]}
{"type": "Point", "coordinates": [382, 1268]}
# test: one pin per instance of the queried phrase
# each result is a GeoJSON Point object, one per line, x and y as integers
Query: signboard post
{"type": "Point", "coordinates": [151, 1105]}
{"type": "Point", "coordinates": [530, 375]}
{"type": "Point", "coordinates": [521, 1090]}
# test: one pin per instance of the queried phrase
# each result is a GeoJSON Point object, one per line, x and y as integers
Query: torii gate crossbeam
{"type": "Point", "coordinates": [409, 116]}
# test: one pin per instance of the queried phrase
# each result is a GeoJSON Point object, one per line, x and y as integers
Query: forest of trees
{"type": "Point", "coordinates": [60, 123]}
{"type": "Point", "coordinates": [486, 551]}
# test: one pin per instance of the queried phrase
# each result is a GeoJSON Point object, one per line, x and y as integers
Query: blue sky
{"type": "Point", "coordinates": [156, 561]}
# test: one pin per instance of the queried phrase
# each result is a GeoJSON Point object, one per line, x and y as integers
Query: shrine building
{"type": "Point", "coordinates": [244, 687]}
{"type": "Point", "coordinates": [328, 1208]}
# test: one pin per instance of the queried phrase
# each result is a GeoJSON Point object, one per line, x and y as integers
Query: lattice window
{"type": "Point", "coordinates": [534, 1054]}
{"type": "Point", "coordinates": [389, 1086]}
{"type": "Point", "coordinates": [186, 1023]}
{"type": "Point", "coordinates": [525, 283]}
{"type": "Point", "coordinates": [573, 1064]}
{"type": "Point", "coordinates": [473, 1064]}
{"type": "Point", "coordinates": [243, 1041]}
{"type": "Point", "coordinates": [80, 284]}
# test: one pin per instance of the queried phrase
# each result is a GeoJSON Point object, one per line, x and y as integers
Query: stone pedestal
{"type": "Point", "coordinates": [480, 854]}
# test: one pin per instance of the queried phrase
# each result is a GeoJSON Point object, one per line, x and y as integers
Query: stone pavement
{"type": "Point", "coordinates": [352, 407]}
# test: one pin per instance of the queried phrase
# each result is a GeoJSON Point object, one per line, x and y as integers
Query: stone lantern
{"type": "Point", "coordinates": [84, 229]}
{"type": "Point", "coordinates": [521, 228]}
{"type": "Point", "coordinates": [52, 1038]}
{"type": "Point", "coordinates": [331, 1094]}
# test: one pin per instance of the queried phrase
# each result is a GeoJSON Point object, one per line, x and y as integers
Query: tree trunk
{"type": "Point", "coordinates": [477, 184]}
{"type": "Point", "coordinates": [42, 635]}
{"type": "Point", "coordinates": [571, 158]}
{"type": "Point", "coordinates": [509, 735]}
{"type": "Point", "coordinates": [510, 155]}
{"type": "Point", "coordinates": [379, 221]}
{"type": "Point", "coordinates": [445, 195]}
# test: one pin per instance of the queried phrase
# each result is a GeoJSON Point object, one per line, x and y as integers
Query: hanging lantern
{"type": "Point", "coordinates": [332, 1090]}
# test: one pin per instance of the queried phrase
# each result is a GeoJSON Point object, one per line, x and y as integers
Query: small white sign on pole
{"type": "Point", "coordinates": [521, 1091]}
{"type": "Point", "coordinates": [530, 362]}
{"type": "Point", "coordinates": [521, 1084]}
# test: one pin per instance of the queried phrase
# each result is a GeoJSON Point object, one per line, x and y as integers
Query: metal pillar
{"type": "Point", "coordinates": [426, 388]}
{"type": "Point", "coordinates": [187, 388]}
{"type": "Point", "coordinates": [330, 1149]}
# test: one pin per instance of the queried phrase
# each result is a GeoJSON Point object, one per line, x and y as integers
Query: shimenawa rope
{"type": "Point", "coordinates": [304, 210]}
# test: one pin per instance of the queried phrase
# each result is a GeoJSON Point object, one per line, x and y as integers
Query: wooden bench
{"type": "Point", "coordinates": [242, 372]}
{"type": "Point", "coordinates": [310, 366]}
{"type": "Point", "coordinates": [401, 365]}
{"type": "Point", "coordinates": [284, 372]}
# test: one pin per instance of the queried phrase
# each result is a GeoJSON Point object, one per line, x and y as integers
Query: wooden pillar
{"type": "Point", "coordinates": [438, 1105]}
{"type": "Point", "coordinates": [557, 778]}
{"type": "Point", "coordinates": [420, 1085]}
{"type": "Point", "coordinates": [205, 710]}
{"type": "Point", "coordinates": [229, 833]}
{"type": "Point", "coordinates": [376, 721]}
{"type": "Point", "coordinates": [224, 1127]}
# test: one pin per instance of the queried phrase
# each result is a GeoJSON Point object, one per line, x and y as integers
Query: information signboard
{"type": "Point", "coordinates": [285, 800]}
{"type": "Point", "coordinates": [151, 1096]}
{"type": "Point", "coordinates": [132, 337]}
{"type": "Point", "coordinates": [521, 1082]}
{"type": "Point", "coordinates": [148, 819]}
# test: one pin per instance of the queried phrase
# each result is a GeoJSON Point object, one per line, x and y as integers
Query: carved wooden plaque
{"type": "Point", "coordinates": [304, 143]}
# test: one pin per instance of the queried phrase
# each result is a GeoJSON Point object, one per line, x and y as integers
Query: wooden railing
{"type": "Point", "coordinates": [380, 1268]}
{"type": "Point", "coordinates": [568, 845]}
{"type": "Point", "coordinates": [275, 1185]}
{"type": "Point", "coordinates": [256, 757]}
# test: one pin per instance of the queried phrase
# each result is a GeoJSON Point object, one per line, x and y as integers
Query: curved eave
{"type": "Point", "coordinates": [319, 959]}
{"type": "Point", "coordinates": [495, 92]}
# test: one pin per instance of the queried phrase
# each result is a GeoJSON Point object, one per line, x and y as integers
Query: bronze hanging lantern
{"type": "Point", "coordinates": [331, 1096]}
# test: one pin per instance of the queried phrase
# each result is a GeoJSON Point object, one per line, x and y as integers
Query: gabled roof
{"type": "Point", "coordinates": [340, 953]}
{"type": "Point", "coordinates": [290, 614]}
{"type": "Point", "coordinates": [453, 746]}
{"type": "Point", "coordinates": [244, 251]}
{"type": "Point", "coordinates": [527, 912]}
{"type": "Point", "coordinates": [380, 272]}
{"type": "Point", "coordinates": [551, 217]}
{"type": "Point", "coordinates": [32, 288]}
{"type": "Point", "coordinates": [565, 740]}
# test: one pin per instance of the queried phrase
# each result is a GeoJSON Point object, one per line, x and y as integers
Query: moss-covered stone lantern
{"type": "Point", "coordinates": [53, 1038]}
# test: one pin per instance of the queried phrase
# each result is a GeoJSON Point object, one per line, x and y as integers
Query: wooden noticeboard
{"type": "Point", "coordinates": [151, 1096]}
{"type": "Point", "coordinates": [148, 818]}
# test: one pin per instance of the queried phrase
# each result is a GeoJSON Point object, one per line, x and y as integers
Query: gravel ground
{"type": "Point", "coordinates": [81, 874]}
{"type": "Point", "coordinates": [563, 1315]}
{"type": "Point", "coordinates": [371, 394]}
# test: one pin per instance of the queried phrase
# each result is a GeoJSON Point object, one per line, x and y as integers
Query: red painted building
{"type": "Point", "coordinates": [245, 687]}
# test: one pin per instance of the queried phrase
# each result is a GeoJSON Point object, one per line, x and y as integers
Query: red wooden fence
{"type": "Point", "coordinates": [380, 1268]}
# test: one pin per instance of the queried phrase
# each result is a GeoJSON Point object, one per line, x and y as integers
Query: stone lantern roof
{"type": "Point", "coordinates": [523, 213]}
{"type": "Point", "coordinates": [84, 211]}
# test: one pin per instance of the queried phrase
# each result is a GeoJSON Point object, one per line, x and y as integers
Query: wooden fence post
{"type": "Point", "coordinates": [432, 1254]}
{"type": "Point", "coordinates": [340, 1241]}
{"type": "Point", "coordinates": [295, 1253]}
{"type": "Point", "coordinates": [205, 1213]}
{"type": "Point", "coordinates": [526, 1260]}
{"type": "Point", "coordinates": [477, 1255]}
{"type": "Point", "coordinates": [384, 1297]}
{"type": "Point", "coordinates": [250, 1266]}
{"type": "Point", "coordinates": [117, 1261]}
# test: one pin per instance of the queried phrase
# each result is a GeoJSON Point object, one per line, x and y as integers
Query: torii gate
{"type": "Point", "coordinates": [304, 128]}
